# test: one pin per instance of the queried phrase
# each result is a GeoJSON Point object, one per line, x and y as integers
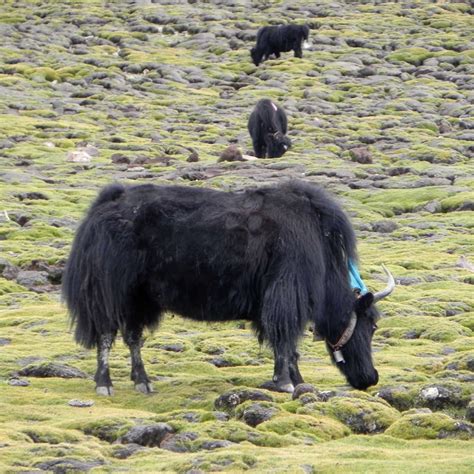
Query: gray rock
{"type": "Point", "coordinates": [126, 451]}
{"type": "Point", "coordinates": [384, 227]}
{"type": "Point", "coordinates": [221, 416]}
{"type": "Point", "coordinates": [228, 401]}
{"type": "Point", "coordinates": [8, 270]}
{"type": "Point", "coordinates": [470, 412]}
{"type": "Point", "coordinates": [407, 281]}
{"type": "Point", "coordinates": [361, 155]}
{"type": "Point", "coordinates": [437, 396]}
{"type": "Point", "coordinates": [432, 207]}
{"type": "Point", "coordinates": [51, 369]}
{"type": "Point", "coordinates": [66, 465]}
{"type": "Point", "coordinates": [80, 403]}
{"type": "Point", "coordinates": [193, 157]}
{"type": "Point", "coordinates": [397, 396]}
{"type": "Point", "coordinates": [303, 388]}
{"type": "Point", "coordinates": [79, 156]}
{"type": "Point", "coordinates": [31, 279]}
{"type": "Point", "coordinates": [179, 443]}
{"type": "Point", "coordinates": [120, 158]}
{"type": "Point", "coordinates": [147, 435]}
{"type": "Point", "coordinates": [255, 414]}
{"type": "Point", "coordinates": [17, 382]}
{"type": "Point", "coordinates": [215, 444]}
{"type": "Point", "coordinates": [31, 196]}
{"type": "Point", "coordinates": [177, 347]}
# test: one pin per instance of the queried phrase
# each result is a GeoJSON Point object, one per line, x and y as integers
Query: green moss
{"type": "Point", "coordinates": [301, 426]}
{"type": "Point", "coordinates": [360, 415]}
{"type": "Point", "coordinates": [414, 56]}
{"type": "Point", "coordinates": [106, 429]}
{"type": "Point", "coordinates": [51, 435]}
{"type": "Point", "coordinates": [430, 426]}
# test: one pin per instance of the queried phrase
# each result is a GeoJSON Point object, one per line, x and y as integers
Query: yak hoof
{"type": "Point", "coordinates": [145, 388]}
{"type": "Point", "coordinates": [289, 388]}
{"type": "Point", "coordinates": [104, 391]}
{"type": "Point", "coordinates": [276, 387]}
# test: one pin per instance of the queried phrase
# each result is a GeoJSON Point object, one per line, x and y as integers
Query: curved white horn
{"type": "Point", "coordinates": [380, 295]}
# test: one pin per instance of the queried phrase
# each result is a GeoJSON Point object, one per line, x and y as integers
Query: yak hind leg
{"type": "Point", "coordinates": [102, 376]}
{"type": "Point", "coordinates": [134, 340]}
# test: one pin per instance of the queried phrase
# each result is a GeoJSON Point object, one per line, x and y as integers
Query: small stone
{"type": "Point", "coordinates": [119, 158]}
{"type": "Point", "coordinates": [193, 157]}
{"type": "Point", "coordinates": [80, 403]}
{"type": "Point", "coordinates": [63, 465]}
{"type": "Point", "coordinates": [31, 196]}
{"type": "Point", "coordinates": [173, 347]}
{"type": "Point", "coordinates": [17, 382]}
{"type": "Point", "coordinates": [216, 444]}
{"type": "Point", "coordinates": [384, 227]}
{"type": "Point", "coordinates": [230, 400]}
{"type": "Point", "coordinates": [127, 451]}
{"type": "Point", "coordinates": [147, 435]}
{"type": "Point", "coordinates": [470, 412]}
{"type": "Point", "coordinates": [256, 414]}
{"type": "Point", "coordinates": [303, 388]}
{"type": "Point", "coordinates": [432, 207]}
{"type": "Point", "coordinates": [221, 362]}
{"type": "Point", "coordinates": [361, 155]}
{"type": "Point", "coordinates": [179, 443]}
{"type": "Point", "coordinates": [31, 278]}
{"type": "Point", "coordinates": [79, 156]}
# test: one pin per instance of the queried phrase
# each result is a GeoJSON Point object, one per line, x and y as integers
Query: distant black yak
{"type": "Point", "coordinates": [277, 256]}
{"type": "Point", "coordinates": [268, 126]}
{"type": "Point", "coordinates": [279, 39]}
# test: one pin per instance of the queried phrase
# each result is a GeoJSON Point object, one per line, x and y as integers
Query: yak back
{"type": "Point", "coordinates": [207, 255]}
{"type": "Point", "coordinates": [270, 119]}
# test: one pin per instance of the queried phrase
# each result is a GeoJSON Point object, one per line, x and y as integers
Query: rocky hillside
{"type": "Point", "coordinates": [380, 112]}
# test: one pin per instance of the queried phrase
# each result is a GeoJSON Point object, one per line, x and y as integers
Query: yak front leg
{"type": "Point", "coordinates": [102, 376]}
{"type": "Point", "coordinates": [134, 340]}
{"type": "Point", "coordinates": [281, 373]}
{"type": "Point", "coordinates": [295, 374]}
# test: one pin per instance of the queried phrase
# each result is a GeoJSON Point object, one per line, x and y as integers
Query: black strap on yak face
{"type": "Point", "coordinates": [344, 339]}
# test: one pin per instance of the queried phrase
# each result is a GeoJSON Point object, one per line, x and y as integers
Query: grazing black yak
{"type": "Point", "coordinates": [268, 126]}
{"type": "Point", "coordinates": [278, 39]}
{"type": "Point", "coordinates": [277, 256]}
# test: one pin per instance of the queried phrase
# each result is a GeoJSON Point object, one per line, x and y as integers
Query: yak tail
{"type": "Point", "coordinates": [100, 270]}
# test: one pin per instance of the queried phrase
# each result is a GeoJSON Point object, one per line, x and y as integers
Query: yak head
{"type": "Point", "coordinates": [352, 352]}
{"type": "Point", "coordinates": [277, 144]}
{"type": "Point", "coordinates": [256, 56]}
{"type": "Point", "coordinates": [305, 32]}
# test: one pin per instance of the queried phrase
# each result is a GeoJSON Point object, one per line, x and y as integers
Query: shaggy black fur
{"type": "Point", "coordinates": [277, 256]}
{"type": "Point", "coordinates": [278, 39]}
{"type": "Point", "coordinates": [268, 126]}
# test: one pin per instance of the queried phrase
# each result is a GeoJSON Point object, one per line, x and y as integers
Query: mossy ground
{"type": "Point", "coordinates": [140, 81]}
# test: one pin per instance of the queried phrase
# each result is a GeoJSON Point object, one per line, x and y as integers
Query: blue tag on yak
{"type": "Point", "coordinates": [355, 279]}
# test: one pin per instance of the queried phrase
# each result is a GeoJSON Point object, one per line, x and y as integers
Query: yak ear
{"type": "Point", "coordinates": [364, 302]}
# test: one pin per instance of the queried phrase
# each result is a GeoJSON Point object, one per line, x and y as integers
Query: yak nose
{"type": "Point", "coordinates": [365, 382]}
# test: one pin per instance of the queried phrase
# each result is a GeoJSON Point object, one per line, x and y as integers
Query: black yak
{"type": "Point", "coordinates": [267, 126]}
{"type": "Point", "coordinates": [279, 39]}
{"type": "Point", "coordinates": [277, 256]}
